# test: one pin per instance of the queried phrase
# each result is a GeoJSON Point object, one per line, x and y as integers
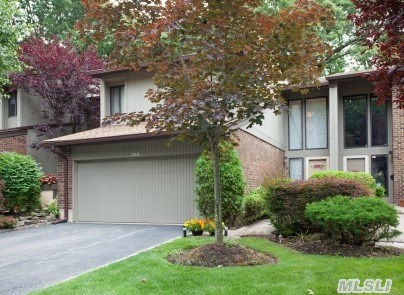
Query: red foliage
{"type": "Point", "coordinates": [381, 24]}
{"type": "Point", "coordinates": [57, 72]}
{"type": "Point", "coordinates": [48, 178]}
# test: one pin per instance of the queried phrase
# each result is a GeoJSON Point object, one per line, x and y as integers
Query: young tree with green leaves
{"type": "Point", "coordinates": [215, 63]}
{"type": "Point", "coordinates": [12, 30]}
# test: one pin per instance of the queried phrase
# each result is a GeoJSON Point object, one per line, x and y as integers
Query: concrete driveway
{"type": "Point", "coordinates": [34, 258]}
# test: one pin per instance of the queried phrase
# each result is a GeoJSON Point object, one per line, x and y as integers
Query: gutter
{"type": "Point", "coordinates": [66, 186]}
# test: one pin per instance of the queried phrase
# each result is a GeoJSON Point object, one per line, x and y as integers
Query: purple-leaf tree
{"type": "Point", "coordinates": [56, 72]}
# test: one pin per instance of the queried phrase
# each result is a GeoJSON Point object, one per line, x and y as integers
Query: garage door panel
{"type": "Point", "coordinates": [159, 190]}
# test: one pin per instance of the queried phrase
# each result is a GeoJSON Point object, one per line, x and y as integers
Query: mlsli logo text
{"type": "Point", "coordinates": [354, 286]}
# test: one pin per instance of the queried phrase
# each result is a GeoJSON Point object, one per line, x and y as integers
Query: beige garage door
{"type": "Point", "coordinates": [158, 190]}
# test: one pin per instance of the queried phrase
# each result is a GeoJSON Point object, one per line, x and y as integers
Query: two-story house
{"type": "Point", "coordinates": [124, 174]}
{"type": "Point", "coordinates": [19, 114]}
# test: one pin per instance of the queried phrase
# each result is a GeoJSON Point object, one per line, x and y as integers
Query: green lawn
{"type": "Point", "coordinates": [150, 273]}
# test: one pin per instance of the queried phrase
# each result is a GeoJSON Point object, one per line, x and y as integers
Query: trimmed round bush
{"type": "Point", "coordinates": [365, 178]}
{"type": "Point", "coordinates": [231, 179]}
{"type": "Point", "coordinates": [354, 221]}
{"type": "Point", "coordinates": [21, 175]}
{"type": "Point", "coordinates": [254, 206]}
{"type": "Point", "coordinates": [286, 202]}
{"type": "Point", "coordinates": [2, 187]}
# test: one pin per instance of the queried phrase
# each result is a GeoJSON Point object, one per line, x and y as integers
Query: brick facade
{"type": "Point", "coordinates": [17, 143]}
{"type": "Point", "coordinates": [61, 179]}
{"type": "Point", "coordinates": [398, 154]}
{"type": "Point", "coordinates": [259, 159]}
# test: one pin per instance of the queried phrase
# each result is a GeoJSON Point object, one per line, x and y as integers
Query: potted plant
{"type": "Point", "coordinates": [210, 226]}
{"type": "Point", "coordinates": [196, 226]}
{"type": "Point", "coordinates": [48, 184]}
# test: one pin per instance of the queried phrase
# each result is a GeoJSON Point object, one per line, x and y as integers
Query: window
{"type": "Point", "coordinates": [295, 125]}
{"type": "Point", "coordinates": [355, 121]}
{"type": "Point", "coordinates": [116, 99]}
{"type": "Point", "coordinates": [296, 168]}
{"type": "Point", "coordinates": [12, 104]}
{"type": "Point", "coordinates": [316, 123]}
{"type": "Point", "coordinates": [378, 115]}
{"type": "Point", "coordinates": [380, 171]}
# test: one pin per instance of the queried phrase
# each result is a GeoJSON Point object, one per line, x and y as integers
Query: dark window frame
{"type": "Point", "coordinates": [120, 87]}
{"type": "Point", "coordinates": [371, 96]}
{"type": "Point", "coordinates": [303, 166]}
{"type": "Point", "coordinates": [13, 95]}
{"type": "Point", "coordinates": [327, 122]}
{"type": "Point", "coordinates": [386, 156]}
{"type": "Point", "coordinates": [302, 118]}
{"type": "Point", "coordinates": [367, 119]}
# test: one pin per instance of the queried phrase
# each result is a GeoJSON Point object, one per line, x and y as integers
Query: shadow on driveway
{"type": "Point", "coordinates": [34, 258]}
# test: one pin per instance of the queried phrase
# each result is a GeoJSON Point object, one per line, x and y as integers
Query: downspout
{"type": "Point", "coordinates": [66, 185]}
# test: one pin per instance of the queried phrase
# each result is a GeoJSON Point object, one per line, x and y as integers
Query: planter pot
{"type": "Point", "coordinates": [212, 233]}
{"type": "Point", "coordinates": [197, 232]}
{"type": "Point", "coordinates": [401, 204]}
{"type": "Point", "coordinates": [48, 187]}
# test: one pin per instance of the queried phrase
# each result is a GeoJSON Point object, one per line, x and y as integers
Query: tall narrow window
{"type": "Point", "coordinates": [316, 123]}
{"type": "Point", "coordinates": [12, 104]}
{"type": "Point", "coordinates": [355, 121]}
{"type": "Point", "coordinates": [296, 168]}
{"type": "Point", "coordinates": [116, 99]}
{"type": "Point", "coordinates": [295, 125]}
{"type": "Point", "coordinates": [380, 171]}
{"type": "Point", "coordinates": [379, 122]}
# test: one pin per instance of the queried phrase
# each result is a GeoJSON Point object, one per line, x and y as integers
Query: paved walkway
{"type": "Point", "coordinates": [264, 227]}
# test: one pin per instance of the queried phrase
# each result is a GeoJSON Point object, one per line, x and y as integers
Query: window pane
{"type": "Point", "coordinates": [379, 170]}
{"type": "Point", "coordinates": [116, 96]}
{"type": "Point", "coordinates": [379, 122]}
{"type": "Point", "coordinates": [316, 123]}
{"type": "Point", "coordinates": [296, 169]}
{"type": "Point", "coordinates": [295, 125]}
{"type": "Point", "coordinates": [355, 121]}
{"type": "Point", "coordinates": [12, 105]}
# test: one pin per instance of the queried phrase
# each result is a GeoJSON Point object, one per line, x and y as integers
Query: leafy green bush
{"type": "Point", "coordinates": [52, 208]}
{"type": "Point", "coordinates": [354, 221]}
{"type": "Point", "coordinates": [380, 191]}
{"type": "Point", "coordinates": [287, 201]}
{"type": "Point", "coordinates": [21, 176]}
{"type": "Point", "coordinates": [363, 177]}
{"type": "Point", "coordinates": [7, 222]}
{"type": "Point", "coordinates": [254, 206]}
{"type": "Point", "coordinates": [232, 183]}
{"type": "Point", "coordinates": [2, 187]}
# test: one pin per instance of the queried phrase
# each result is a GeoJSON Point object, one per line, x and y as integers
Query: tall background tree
{"type": "Point", "coordinates": [13, 29]}
{"type": "Point", "coordinates": [57, 72]}
{"type": "Point", "coordinates": [215, 63]}
{"type": "Point", "coordinates": [348, 50]}
{"type": "Point", "coordinates": [381, 25]}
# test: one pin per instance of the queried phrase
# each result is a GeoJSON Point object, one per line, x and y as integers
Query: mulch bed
{"type": "Point", "coordinates": [221, 255]}
{"type": "Point", "coordinates": [329, 247]}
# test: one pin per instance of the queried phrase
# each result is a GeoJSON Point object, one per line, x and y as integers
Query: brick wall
{"type": "Point", "coordinates": [61, 179]}
{"type": "Point", "coordinates": [259, 159]}
{"type": "Point", "coordinates": [16, 143]}
{"type": "Point", "coordinates": [398, 154]}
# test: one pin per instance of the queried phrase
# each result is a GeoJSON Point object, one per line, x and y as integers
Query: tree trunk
{"type": "Point", "coordinates": [218, 198]}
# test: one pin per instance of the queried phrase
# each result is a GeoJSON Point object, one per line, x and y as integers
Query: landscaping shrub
{"type": "Point", "coordinates": [52, 208]}
{"type": "Point", "coordinates": [21, 176]}
{"type": "Point", "coordinates": [7, 222]}
{"type": "Point", "coordinates": [380, 191]}
{"type": "Point", "coordinates": [232, 183]}
{"type": "Point", "coordinates": [254, 206]}
{"type": "Point", "coordinates": [365, 178]}
{"type": "Point", "coordinates": [2, 187]}
{"type": "Point", "coordinates": [287, 201]}
{"type": "Point", "coordinates": [354, 221]}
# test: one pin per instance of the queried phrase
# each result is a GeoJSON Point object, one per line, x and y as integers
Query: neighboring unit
{"type": "Point", "coordinates": [19, 114]}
